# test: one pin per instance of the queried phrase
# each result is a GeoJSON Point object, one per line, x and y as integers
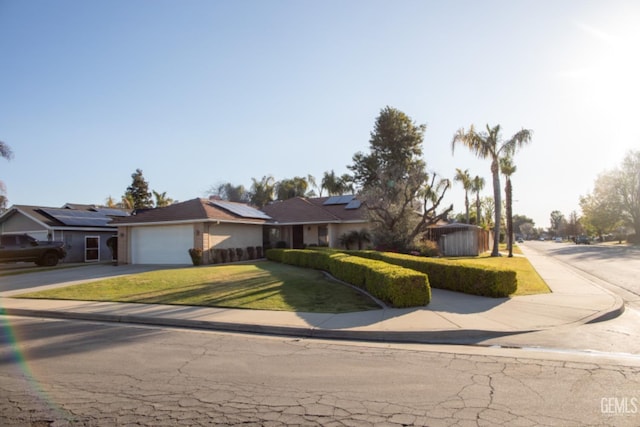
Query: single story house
{"type": "Point", "coordinates": [84, 229]}
{"type": "Point", "coordinates": [307, 221]}
{"type": "Point", "coordinates": [165, 235]}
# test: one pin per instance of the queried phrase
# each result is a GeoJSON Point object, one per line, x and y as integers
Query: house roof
{"type": "Point", "coordinates": [68, 217]}
{"type": "Point", "coordinates": [196, 210]}
{"type": "Point", "coordinates": [303, 210]}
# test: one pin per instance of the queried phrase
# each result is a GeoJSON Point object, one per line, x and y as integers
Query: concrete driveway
{"type": "Point", "coordinates": [27, 276]}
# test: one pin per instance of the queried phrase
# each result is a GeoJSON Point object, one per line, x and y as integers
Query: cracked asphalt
{"type": "Point", "coordinates": [65, 373]}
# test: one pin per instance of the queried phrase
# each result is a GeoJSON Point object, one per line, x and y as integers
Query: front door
{"type": "Point", "coordinates": [298, 237]}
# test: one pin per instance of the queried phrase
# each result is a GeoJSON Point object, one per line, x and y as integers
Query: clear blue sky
{"type": "Point", "coordinates": [197, 93]}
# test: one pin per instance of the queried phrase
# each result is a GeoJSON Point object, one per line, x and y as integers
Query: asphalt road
{"type": "Point", "coordinates": [616, 267]}
{"type": "Point", "coordinates": [57, 372]}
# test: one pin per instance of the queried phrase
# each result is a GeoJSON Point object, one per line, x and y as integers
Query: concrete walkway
{"type": "Point", "coordinates": [450, 317]}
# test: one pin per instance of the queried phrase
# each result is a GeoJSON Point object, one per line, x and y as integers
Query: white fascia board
{"type": "Point", "coordinates": [184, 222]}
{"type": "Point", "coordinates": [113, 229]}
{"type": "Point", "coordinates": [353, 221]}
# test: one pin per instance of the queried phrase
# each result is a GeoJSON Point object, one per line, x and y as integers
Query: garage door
{"type": "Point", "coordinates": [161, 245]}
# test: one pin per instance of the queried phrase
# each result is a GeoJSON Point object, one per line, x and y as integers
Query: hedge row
{"type": "Point", "coordinates": [451, 275]}
{"type": "Point", "coordinates": [393, 284]}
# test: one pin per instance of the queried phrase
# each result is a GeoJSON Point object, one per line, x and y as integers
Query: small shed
{"type": "Point", "coordinates": [460, 239]}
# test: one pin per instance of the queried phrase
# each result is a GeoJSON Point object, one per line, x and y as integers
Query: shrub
{"type": "Point", "coordinates": [259, 251]}
{"type": "Point", "coordinates": [231, 254]}
{"type": "Point", "coordinates": [397, 286]}
{"type": "Point", "coordinates": [427, 248]}
{"type": "Point", "coordinates": [251, 252]}
{"type": "Point", "coordinates": [196, 256]}
{"type": "Point", "coordinates": [239, 254]}
{"type": "Point", "coordinates": [453, 276]}
{"type": "Point", "coordinates": [281, 244]}
{"type": "Point", "coordinates": [223, 255]}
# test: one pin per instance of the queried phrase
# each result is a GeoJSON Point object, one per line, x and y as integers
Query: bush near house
{"type": "Point", "coordinates": [393, 284]}
{"type": "Point", "coordinates": [196, 256]}
{"type": "Point", "coordinates": [450, 275]}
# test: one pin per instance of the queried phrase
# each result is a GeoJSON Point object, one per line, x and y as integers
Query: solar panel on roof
{"type": "Point", "coordinates": [331, 200]}
{"type": "Point", "coordinates": [240, 209]}
{"type": "Point", "coordinates": [338, 200]}
{"type": "Point", "coordinates": [111, 211]}
{"type": "Point", "coordinates": [78, 218]}
{"type": "Point", "coordinates": [353, 204]}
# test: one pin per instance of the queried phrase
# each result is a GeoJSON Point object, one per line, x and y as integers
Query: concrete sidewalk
{"type": "Point", "coordinates": [450, 317]}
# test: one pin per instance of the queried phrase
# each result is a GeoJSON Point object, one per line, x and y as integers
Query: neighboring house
{"type": "Point", "coordinates": [84, 229]}
{"type": "Point", "coordinates": [165, 235]}
{"type": "Point", "coordinates": [321, 221]}
{"type": "Point", "coordinates": [458, 239]}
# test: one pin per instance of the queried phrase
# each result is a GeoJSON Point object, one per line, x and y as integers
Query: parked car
{"type": "Point", "coordinates": [24, 248]}
{"type": "Point", "coordinates": [582, 240]}
{"type": "Point", "coordinates": [520, 240]}
{"type": "Point", "coordinates": [558, 240]}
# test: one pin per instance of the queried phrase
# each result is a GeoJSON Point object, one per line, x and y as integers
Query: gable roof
{"type": "Point", "coordinates": [68, 217]}
{"type": "Point", "coordinates": [196, 210]}
{"type": "Point", "coordinates": [303, 210]}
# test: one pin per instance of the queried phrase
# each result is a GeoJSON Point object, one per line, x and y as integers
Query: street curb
{"type": "Point", "coordinates": [455, 336]}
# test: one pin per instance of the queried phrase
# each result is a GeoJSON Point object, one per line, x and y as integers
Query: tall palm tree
{"type": "Point", "coordinates": [489, 145]}
{"type": "Point", "coordinates": [508, 168]}
{"type": "Point", "coordinates": [477, 185]}
{"type": "Point", "coordinates": [336, 185]}
{"type": "Point", "coordinates": [161, 199]}
{"type": "Point", "coordinates": [463, 177]}
{"type": "Point", "coordinates": [262, 191]}
{"type": "Point", "coordinates": [331, 183]}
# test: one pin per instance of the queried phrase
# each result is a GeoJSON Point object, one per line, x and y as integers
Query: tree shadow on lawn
{"type": "Point", "coordinates": [275, 287]}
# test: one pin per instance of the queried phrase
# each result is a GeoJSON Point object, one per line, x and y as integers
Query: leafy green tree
{"type": "Point", "coordinates": [463, 177]}
{"type": "Point", "coordinates": [139, 192]}
{"type": "Point", "coordinates": [508, 168]}
{"type": "Point", "coordinates": [627, 179]}
{"type": "Point", "coordinates": [401, 198]}
{"type": "Point", "coordinates": [489, 145]}
{"type": "Point", "coordinates": [574, 228]}
{"type": "Point", "coordinates": [523, 225]}
{"type": "Point", "coordinates": [261, 193]}
{"type": "Point", "coordinates": [232, 193]}
{"type": "Point", "coordinates": [477, 185]}
{"type": "Point", "coordinates": [558, 222]}
{"type": "Point", "coordinates": [601, 210]}
{"type": "Point", "coordinates": [488, 207]}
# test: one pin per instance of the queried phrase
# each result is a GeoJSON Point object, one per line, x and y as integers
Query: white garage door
{"type": "Point", "coordinates": [161, 245]}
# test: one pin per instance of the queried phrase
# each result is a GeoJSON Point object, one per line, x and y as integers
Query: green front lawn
{"type": "Point", "coordinates": [261, 285]}
{"type": "Point", "coordinates": [529, 281]}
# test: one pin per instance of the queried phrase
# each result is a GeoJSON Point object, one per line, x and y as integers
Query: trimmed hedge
{"type": "Point", "coordinates": [452, 275]}
{"type": "Point", "coordinates": [393, 284]}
